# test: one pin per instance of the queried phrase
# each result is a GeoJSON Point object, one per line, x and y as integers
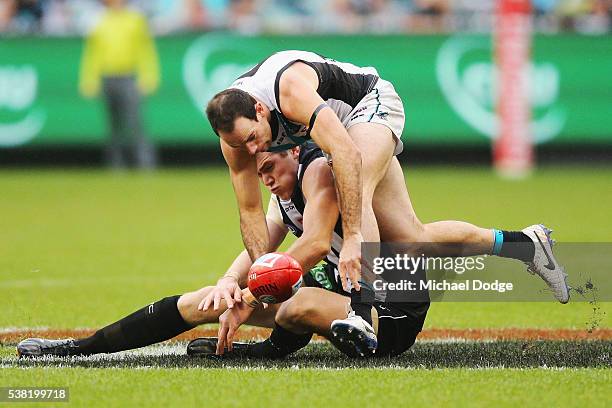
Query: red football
{"type": "Point", "coordinates": [275, 277]}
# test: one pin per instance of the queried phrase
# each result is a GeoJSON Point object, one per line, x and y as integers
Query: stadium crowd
{"type": "Point", "coordinates": [76, 17]}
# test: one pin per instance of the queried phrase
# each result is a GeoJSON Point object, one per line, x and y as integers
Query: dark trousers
{"type": "Point", "coordinates": [127, 144]}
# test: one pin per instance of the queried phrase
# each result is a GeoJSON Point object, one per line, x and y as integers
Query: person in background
{"type": "Point", "coordinates": [120, 59]}
{"type": "Point", "coordinates": [21, 16]}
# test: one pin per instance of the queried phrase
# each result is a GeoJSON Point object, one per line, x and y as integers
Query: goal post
{"type": "Point", "coordinates": [513, 150]}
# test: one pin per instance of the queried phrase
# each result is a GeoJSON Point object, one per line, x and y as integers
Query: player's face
{"type": "Point", "coordinates": [278, 172]}
{"type": "Point", "coordinates": [255, 136]}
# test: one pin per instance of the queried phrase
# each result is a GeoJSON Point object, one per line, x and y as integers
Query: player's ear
{"type": "Point", "coordinates": [295, 152]}
{"type": "Point", "coordinates": [259, 108]}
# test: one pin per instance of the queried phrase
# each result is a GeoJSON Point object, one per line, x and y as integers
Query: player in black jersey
{"type": "Point", "coordinates": [306, 180]}
{"type": "Point", "coordinates": [288, 207]}
{"type": "Point", "coordinates": [357, 118]}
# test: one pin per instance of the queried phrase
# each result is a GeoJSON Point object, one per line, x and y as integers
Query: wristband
{"type": "Point", "coordinates": [249, 299]}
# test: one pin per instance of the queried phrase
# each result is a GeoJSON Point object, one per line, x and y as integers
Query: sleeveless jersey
{"type": "Point", "coordinates": [292, 212]}
{"type": "Point", "coordinates": [341, 85]}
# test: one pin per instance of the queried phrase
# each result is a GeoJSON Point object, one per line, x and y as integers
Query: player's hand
{"type": "Point", "coordinates": [227, 288]}
{"type": "Point", "coordinates": [350, 261]}
{"type": "Point", "coordinates": [229, 322]}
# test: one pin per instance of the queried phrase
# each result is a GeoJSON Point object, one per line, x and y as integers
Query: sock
{"type": "Point", "coordinates": [281, 343]}
{"type": "Point", "coordinates": [362, 301]}
{"type": "Point", "coordinates": [513, 244]}
{"type": "Point", "coordinates": [156, 322]}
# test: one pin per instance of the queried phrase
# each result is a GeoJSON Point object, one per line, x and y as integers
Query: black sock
{"type": "Point", "coordinates": [156, 322]}
{"type": "Point", "coordinates": [281, 343]}
{"type": "Point", "coordinates": [517, 245]}
{"type": "Point", "coordinates": [362, 301]}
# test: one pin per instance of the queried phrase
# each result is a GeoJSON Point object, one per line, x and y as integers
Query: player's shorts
{"type": "Point", "coordinates": [399, 323]}
{"type": "Point", "coordinates": [398, 326]}
{"type": "Point", "coordinates": [384, 106]}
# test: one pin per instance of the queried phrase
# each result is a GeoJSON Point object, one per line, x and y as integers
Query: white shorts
{"type": "Point", "coordinates": [382, 105]}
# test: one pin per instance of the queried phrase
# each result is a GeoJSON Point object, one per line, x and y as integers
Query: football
{"type": "Point", "coordinates": [274, 277]}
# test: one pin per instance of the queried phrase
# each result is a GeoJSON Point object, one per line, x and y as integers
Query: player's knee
{"type": "Point", "coordinates": [297, 309]}
{"type": "Point", "coordinates": [414, 234]}
{"type": "Point", "coordinates": [188, 304]}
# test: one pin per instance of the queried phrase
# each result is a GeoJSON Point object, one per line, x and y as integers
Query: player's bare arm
{"type": "Point", "coordinates": [320, 215]}
{"type": "Point", "coordinates": [299, 99]}
{"type": "Point", "coordinates": [243, 173]}
{"type": "Point", "coordinates": [229, 287]}
{"type": "Point", "coordinates": [238, 313]}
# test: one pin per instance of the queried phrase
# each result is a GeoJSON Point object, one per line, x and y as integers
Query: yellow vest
{"type": "Point", "coordinates": [119, 45]}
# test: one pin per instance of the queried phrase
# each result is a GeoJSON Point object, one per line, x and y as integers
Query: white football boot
{"type": "Point", "coordinates": [544, 263]}
{"type": "Point", "coordinates": [354, 336]}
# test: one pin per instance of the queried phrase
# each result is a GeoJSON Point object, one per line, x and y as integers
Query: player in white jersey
{"type": "Point", "coordinates": [357, 118]}
{"type": "Point", "coordinates": [293, 96]}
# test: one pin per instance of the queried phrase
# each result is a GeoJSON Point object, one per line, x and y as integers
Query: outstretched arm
{"type": "Point", "coordinates": [320, 216]}
{"type": "Point", "coordinates": [299, 99]}
{"type": "Point", "coordinates": [228, 287]}
{"type": "Point", "coordinates": [234, 317]}
{"type": "Point", "coordinates": [243, 172]}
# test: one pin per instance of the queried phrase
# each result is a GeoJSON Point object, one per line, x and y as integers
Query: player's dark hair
{"type": "Point", "coordinates": [228, 105]}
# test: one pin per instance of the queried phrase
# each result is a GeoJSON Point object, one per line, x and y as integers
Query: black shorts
{"type": "Point", "coordinates": [399, 323]}
{"type": "Point", "coordinates": [398, 326]}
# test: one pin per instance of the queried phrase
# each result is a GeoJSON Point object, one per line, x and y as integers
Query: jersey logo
{"type": "Point", "coordinates": [383, 115]}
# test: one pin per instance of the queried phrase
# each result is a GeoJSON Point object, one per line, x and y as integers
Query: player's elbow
{"type": "Point", "coordinates": [320, 248]}
{"type": "Point", "coordinates": [248, 212]}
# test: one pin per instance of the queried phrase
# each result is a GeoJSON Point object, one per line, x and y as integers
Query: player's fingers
{"type": "Point", "coordinates": [221, 339]}
{"type": "Point", "coordinates": [344, 281]}
{"type": "Point", "coordinates": [237, 294]}
{"type": "Point", "coordinates": [230, 338]}
{"type": "Point", "coordinates": [229, 300]}
{"type": "Point", "coordinates": [342, 271]}
{"type": "Point", "coordinates": [217, 300]}
{"type": "Point", "coordinates": [355, 275]}
{"type": "Point", "coordinates": [356, 284]}
{"type": "Point", "coordinates": [205, 303]}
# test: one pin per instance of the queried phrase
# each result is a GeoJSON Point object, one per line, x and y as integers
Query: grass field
{"type": "Point", "coordinates": [79, 249]}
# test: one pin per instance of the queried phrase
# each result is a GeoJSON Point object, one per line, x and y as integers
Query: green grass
{"type": "Point", "coordinates": [430, 374]}
{"type": "Point", "coordinates": [83, 248]}
{"type": "Point", "coordinates": [312, 387]}
{"type": "Point", "coordinates": [424, 354]}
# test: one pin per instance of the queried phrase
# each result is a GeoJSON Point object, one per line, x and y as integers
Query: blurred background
{"type": "Point", "coordinates": [63, 101]}
{"type": "Point", "coordinates": [166, 17]}
{"type": "Point", "coordinates": [87, 86]}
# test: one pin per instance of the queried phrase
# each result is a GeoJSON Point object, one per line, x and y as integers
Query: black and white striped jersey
{"type": "Point", "coordinates": [292, 212]}
{"type": "Point", "coordinates": [341, 85]}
